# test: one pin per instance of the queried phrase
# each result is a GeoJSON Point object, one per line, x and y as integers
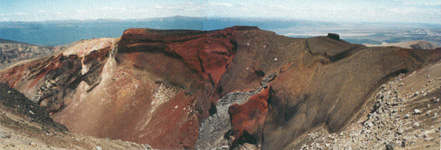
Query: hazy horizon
{"type": "Point", "coordinates": [390, 11]}
{"type": "Point", "coordinates": [216, 17]}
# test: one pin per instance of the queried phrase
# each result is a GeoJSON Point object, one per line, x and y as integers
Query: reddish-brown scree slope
{"type": "Point", "coordinates": [158, 86]}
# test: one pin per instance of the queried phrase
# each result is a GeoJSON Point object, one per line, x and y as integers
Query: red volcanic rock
{"type": "Point", "coordinates": [13, 75]}
{"type": "Point", "coordinates": [208, 53]}
{"type": "Point", "coordinates": [47, 81]}
{"type": "Point", "coordinates": [66, 68]}
{"type": "Point", "coordinates": [248, 119]}
{"type": "Point", "coordinates": [177, 126]}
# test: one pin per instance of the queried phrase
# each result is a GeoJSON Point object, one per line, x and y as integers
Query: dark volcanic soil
{"type": "Point", "coordinates": [19, 104]}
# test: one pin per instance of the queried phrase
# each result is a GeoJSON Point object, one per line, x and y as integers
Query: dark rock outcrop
{"type": "Point", "coordinates": [334, 36]}
{"type": "Point", "coordinates": [60, 75]}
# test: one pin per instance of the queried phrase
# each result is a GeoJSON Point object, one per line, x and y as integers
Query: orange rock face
{"type": "Point", "coordinates": [207, 53]}
{"type": "Point", "coordinates": [248, 118]}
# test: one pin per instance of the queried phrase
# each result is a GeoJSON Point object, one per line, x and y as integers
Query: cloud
{"type": "Point", "coordinates": [422, 2]}
{"type": "Point", "coordinates": [185, 7]}
{"type": "Point", "coordinates": [356, 12]}
{"type": "Point", "coordinates": [218, 4]}
{"type": "Point", "coordinates": [4, 19]}
{"type": "Point", "coordinates": [404, 11]}
{"type": "Point", "coordinates": [20, 14]}
{"type": "Point", "coordinates": [81, 11]}
{"type": "Point", "coordinates": [392, 10]}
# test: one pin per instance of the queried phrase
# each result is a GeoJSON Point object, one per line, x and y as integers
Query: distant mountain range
{"type": "Point", "coordinates": [3, 41]}
{"type": "Point", "coordinates": [53, 33]}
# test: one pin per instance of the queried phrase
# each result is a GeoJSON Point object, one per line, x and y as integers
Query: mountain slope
{"type": "Point", "coordinates": [10, 41]}
{"type": "Point", "coordinates": [24, 125]}
{"type": "Point", "coordinates": [13, 51]}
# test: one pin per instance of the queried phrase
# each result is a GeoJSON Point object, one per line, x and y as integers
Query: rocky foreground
{"type": "Point", "coordinates": [405, 115]}
{"type": "Point", "coordinates": [25, 125]}
{"type": "Point", "coordinates": [239, 87]}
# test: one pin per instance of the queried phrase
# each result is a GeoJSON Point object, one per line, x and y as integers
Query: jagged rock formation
{"type": "Point", "coordinates": [11, 51]}
{"type": "Point", "coordinates": [217, 130]}
{"type": "Point", "coordinates": [214, 129]}
{"type": "Point", "coordinates": [185, 89]}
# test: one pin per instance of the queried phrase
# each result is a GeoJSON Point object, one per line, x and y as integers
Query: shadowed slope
{"type": "Point", "coordinates": [331, 95]}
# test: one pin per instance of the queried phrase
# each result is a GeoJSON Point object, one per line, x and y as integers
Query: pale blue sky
{"type": "Point", "coordinates": [418, 11]}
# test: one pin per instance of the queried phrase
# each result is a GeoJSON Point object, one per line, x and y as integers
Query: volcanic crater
{"type": "Point", "coordinates": [187, 89]}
